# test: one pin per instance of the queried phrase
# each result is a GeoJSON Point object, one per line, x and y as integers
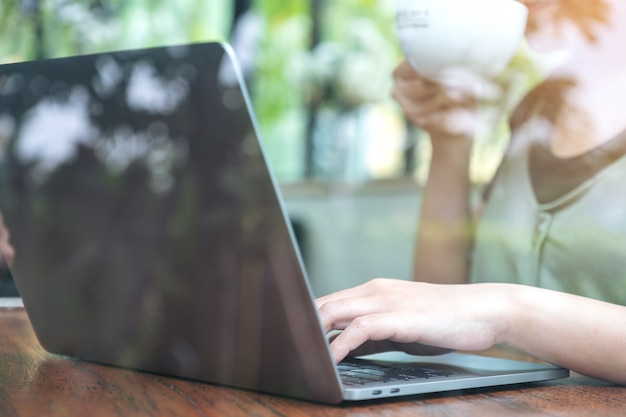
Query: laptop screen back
{"type": "Point", "coordinates": [147, 228]}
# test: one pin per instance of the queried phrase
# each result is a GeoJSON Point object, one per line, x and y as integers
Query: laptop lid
{"type": "Point", "coordinates": [147, 227]}
{"type": "Point", "coordinates": [150, 233]}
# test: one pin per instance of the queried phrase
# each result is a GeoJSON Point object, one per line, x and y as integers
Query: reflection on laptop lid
{"type": "Point", "coordinates": [150, 233]}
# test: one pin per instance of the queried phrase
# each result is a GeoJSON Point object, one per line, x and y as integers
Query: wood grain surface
{"type": "Point", "coordinates": [36, 383]}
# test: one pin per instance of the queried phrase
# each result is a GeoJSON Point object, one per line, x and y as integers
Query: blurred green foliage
{"type": "Point", "coordinates": [31, 29]}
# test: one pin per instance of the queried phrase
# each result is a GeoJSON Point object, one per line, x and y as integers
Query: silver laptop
{"type": "Point", "coordinates": [150, 233]}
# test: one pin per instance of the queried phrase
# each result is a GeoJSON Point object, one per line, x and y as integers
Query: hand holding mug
{"type": "Point", "coordinates": [443, 109]}
{"type": "Point", "coordinates": [451, 48]}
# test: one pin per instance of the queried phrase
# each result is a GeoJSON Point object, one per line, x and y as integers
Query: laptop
{"type": "Point", "coordinates": [151, 234]}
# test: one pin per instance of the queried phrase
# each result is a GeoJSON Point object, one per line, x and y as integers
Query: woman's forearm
{"type": "Point", "coordinates": [445, 226]}
{"type": "Point", "coordinates": [448, 112]}
{"type": "Point", "coordinates": [582, 334]}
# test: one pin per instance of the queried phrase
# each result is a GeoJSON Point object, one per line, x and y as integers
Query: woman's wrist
{"type": "Point", "coordinates": [447, 142]}
{"type": "Point", "coordinates": [452, 155]}
{"type": "Point", "coordinates": [505, 311]}
{"type": "Point", "coordinates": [517, 310]}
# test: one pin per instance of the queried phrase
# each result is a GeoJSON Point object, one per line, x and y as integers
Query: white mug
{"type": "Point", "coordinates": [476, 35]}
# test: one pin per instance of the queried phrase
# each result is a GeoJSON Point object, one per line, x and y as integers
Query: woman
{"type": "Point", "coordinates": [547, 259]}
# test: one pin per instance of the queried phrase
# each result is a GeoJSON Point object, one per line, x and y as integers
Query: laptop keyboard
{"type": "Point", "coordinates": [363, 372]}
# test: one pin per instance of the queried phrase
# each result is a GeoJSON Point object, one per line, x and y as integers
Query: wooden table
{"type": "Point", "coordinates": [35, 383]}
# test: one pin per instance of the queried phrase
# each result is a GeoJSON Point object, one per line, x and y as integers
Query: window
{"type": "Point", "coordinates": [320, 72]}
